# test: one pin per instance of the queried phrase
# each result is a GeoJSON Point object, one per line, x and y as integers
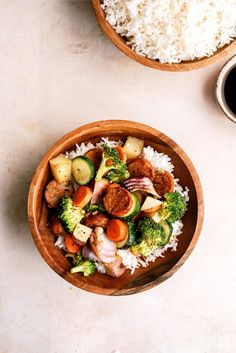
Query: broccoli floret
{"type": "Point", "coordinates": [152, 236]}
{"type": "Point", "coordinates": [173, 208]}
{"type": "Point", "coordinates": [111, 165]}
{"type": "Point", "coordinates": [94, 208]}
{"type": "Point", "coordinates": [87, 267]}
{"type": "Point", "coordinates": [76, 258]}
{"type": "Point", "coordinates": [69, 214]}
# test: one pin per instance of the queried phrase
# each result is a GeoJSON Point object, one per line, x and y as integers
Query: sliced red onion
{"type": "Point", "coordinates": [141, 184]}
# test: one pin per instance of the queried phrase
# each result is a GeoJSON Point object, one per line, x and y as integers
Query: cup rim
{"type": "Point", "coordinates": [220, 88]}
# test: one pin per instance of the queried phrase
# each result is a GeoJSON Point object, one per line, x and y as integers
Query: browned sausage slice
{"type": "Point", "coordinates": [95, 156]}
{"type": "Point", "coordinates": [54, 191]}
{"type": "Point", "coordinates": [163, 182]}
{"type": "Point", "coordinates": [140, 167]}
{"type": "Point", "coordinates": [96, 220]}
{"type": "Point", "coordinates": [117, 201]}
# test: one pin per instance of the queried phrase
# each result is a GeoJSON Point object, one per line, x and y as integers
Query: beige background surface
{"type": "Point", "coordinates": [57, 72]}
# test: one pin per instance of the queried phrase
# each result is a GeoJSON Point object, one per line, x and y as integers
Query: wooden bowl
{"type": "Point", "coordinates": [143, 278]}
{"type": "Point", "coordinates": [120, 42]}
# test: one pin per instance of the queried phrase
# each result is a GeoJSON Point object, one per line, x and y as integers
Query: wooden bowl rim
{"type": "Point", "coordinates": [56, 149]}
{"type": "Point", "coordinates": [182, 66]}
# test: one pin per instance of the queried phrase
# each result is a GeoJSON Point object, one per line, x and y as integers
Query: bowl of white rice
{"type": "Point", "coordinates": [173, 35]}
{"type": "Point", "coordinates": [141, 274]}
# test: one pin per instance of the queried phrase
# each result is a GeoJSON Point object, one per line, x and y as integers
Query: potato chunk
{"type": "Point", "coordinates": [61, 168]}
{"type": "Point", "coordinates": [133, 147]}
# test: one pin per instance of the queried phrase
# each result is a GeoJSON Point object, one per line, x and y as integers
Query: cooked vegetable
{"type": "Point", "coordinates": [111, 165]}
{"type": "Point", "coordinates": [87, 267]}
{"type": "Point", "coordinates": [122, 154]}
{"type": "Point", "coordinates": [132, 234]}
{"type": "Point", "coordinates": [61, 168]}
{"type": "Point", "coordinates": [82, 196]}
{"type": "Point", "coordinates": [94, 208]}
{"type": "Point", "coordinates": [76, 258]}
{"type": "Point", "coordinates": [167, 231]}
{"type": "Point", "coordinates": [151, 205]}
{"type": "Point", "coordinates": [71, 245]}
{"type": "Point", "coordinates": [69, 214]}
{"type": "Point", "coordinates": [134, 209]}
{"type": "Point", "coordinates": [117, 230]}
{"type": "Point", "coordinates": [152, 236]}
{"type": "Point", "coordinates": [83, 170]}
{"type": "Point", "coordinates": [121, 244]}
{"type": "Point", "coordinates": [173, 208]}
{"type": "Point", "coordinates": [142, 184]}
{"type": "Point", "coordinates": [133, 147]}
{"type": "Point", "coordinates": [82, 233]}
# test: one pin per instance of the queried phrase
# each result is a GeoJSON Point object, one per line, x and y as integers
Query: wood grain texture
{"type": "Point", "coordinates": [182, 66]}
{"type": "Point", "coordinates": [143, 278]}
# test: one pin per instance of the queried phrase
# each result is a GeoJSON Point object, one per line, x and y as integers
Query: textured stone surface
{"type": "Point", "coordinates": [58, 71]}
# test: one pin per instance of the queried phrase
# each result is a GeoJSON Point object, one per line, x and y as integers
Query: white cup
{"type": "Point", "coordinates": [220, 91]}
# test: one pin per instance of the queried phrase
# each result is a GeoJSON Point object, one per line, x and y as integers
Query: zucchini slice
{"type": "Point", "coordinates": [131, 235]}
{"type": "Point", "coordinates": [167, 231]}
{"type": "Point", "coordinates": [135, 208]}
{"type": "Point", "coordinates": [83, 170]}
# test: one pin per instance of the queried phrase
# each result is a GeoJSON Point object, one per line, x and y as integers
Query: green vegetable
{"type": "Point", "coordinates": [173, 208]}
{"type": "Point", "coordinates": [69, 214]}
{"type": "Point", "coordinates": [83, 170]}
{"type": "Point", "coordinates": [112, 166]}
{"type": "Point", "coordinates": [87, 267]}
{"type": "Point", "coordinates": [132, 234]}
{"type": "Point", "coordinates": [135, 208]}
{"type": "Point", "coordinates": [76, 258]}
{"type": "Point", "coordinates": [94, 208]}
{"type": "Point", "coordinates": [152, 236]}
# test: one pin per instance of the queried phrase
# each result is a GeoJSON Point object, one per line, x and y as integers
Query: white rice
{"type": "Point", "coordinates": [173, 30]}
{"type": "Point", "coordinates": [159, 161]}
{"type": "Point", "coordinates": [83, 148]}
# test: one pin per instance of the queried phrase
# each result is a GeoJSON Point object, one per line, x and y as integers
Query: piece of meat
{"type": "Point", "coordinates": [115, 269]}
{"type": "Point", "coordinates": [102, 247]}
{"type": "Point", "coordinates": [163, 182]}
{"type": "Point", "coordinates": [56, 226]}
{"type": "Point", "coordinates": [99, 189]}
{"type": "Point", "coordinates": [96, 220]}
{"type": "Point", "coordinates": [140, 167]}
{"type": "Point", "coordinates": [95, 156]}
{"type": "Point", "coordinates": [117, 201]}
{"type": "Point", "coordinates": [55, 191]}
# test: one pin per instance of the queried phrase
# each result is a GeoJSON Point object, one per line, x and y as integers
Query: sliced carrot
{"type": "Point", "coordinates": [117, 230]}
{"type": "Point", "coordinates": [122, 154]}
{"type": "Point", "coordinates": [82, 196]}
{"type": "Point", "coordinates": [71, 246]}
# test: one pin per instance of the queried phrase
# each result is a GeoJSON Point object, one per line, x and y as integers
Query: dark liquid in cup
{"type": "Point", "coordinates": [230, 90]}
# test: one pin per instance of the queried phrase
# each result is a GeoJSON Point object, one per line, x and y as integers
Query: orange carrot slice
{"type": "Point", "coordinates": [82, 196]}
{"type": "Point", "coordinates": [122, 154]}
{"type": "Point", "coordinates": [117, 230]}
{"type": "Point", "coordinates": [70, 244]}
